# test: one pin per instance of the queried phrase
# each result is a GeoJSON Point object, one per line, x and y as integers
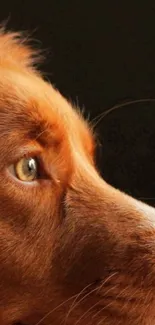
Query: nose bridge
{"type": "Point", "coordinates": [85, 171]}
{"type": "Point", "coordinates": [112, 207]}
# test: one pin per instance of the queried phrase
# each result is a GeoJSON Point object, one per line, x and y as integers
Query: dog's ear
{"type": "Point", "coordinates": [16, 51]}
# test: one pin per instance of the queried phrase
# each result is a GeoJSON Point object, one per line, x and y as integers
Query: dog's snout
{"type": "Point", "coordinates": [113, 231]}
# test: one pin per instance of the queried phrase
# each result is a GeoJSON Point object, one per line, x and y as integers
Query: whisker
{"type": "Point", "coordinates": [53, 310]}
{"type": "Point", "coordinates": [72, 305]}
{"type": "Point", "coordinates": [106, 280]}
{"type": "Point", "coordinates": [89, 293]}
{"type": "Point", "coordinates": [92, 307]}
{"type": "Point", "coordinates": [102, 320]}
{"type": "Point", "coordinates": [146, 198]}
{"type": "Point", "coordinates": [83, 298]}
{"type": "Point", "coordinates": [62, 304]}
{"type": "Point", "coordinates": [108, 305]}
{"type": "Point", "coordinates": [98, 118]}
{"type": "Point", "coordinates": [137, 290]}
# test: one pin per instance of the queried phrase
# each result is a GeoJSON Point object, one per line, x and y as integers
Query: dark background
{"type": "Point", "coordinates": [102, 53]}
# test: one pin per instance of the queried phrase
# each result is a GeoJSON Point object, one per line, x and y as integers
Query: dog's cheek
{"type": "Point", "coordinates": [26, 242]}
{"type": "Point", "coordinates": [82, 256]}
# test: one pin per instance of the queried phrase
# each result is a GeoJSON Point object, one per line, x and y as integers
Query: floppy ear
{"type": "Point", "coordinates": [15, 50]}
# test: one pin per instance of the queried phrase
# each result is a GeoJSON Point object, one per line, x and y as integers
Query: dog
{"type": "Point", "coordinates": [73, 250]}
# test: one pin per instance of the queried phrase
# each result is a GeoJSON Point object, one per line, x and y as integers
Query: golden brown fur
{"type": "Point", "coordinates": [73, 250]}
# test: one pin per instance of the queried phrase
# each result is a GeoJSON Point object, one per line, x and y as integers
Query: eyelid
{"type": "Point", "coordinates": [27, 151]}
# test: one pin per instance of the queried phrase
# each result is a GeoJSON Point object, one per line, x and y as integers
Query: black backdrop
{"type": "Point", "coordinates": [102, 53]}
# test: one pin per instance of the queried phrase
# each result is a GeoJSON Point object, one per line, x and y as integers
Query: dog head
{"type": "Point", "coordinates": [73, 250]}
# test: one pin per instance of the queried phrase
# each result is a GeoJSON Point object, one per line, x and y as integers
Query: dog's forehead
{"type": "Point", "coordinates": [30, 95]}
{"type": "Point", "coordinates": [33, 103]}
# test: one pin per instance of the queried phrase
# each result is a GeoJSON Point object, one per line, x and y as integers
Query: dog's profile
{"type": "Point", "coordinates": [73, 250]}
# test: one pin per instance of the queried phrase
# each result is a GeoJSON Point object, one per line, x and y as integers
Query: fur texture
{"type": "Point", "coordinates": [73, 250]}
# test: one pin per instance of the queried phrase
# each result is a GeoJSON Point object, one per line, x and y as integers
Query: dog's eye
{"type": "Point", "coordinates": [26, 169]}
